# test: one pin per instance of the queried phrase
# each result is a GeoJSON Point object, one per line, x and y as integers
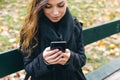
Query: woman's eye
{"type": "Point", "coordinates": [61, 5]}
{"type": "Point", "coordinates": [47, 6]}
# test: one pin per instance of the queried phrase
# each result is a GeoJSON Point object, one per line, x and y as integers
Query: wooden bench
{"type": "Point", "coordinates": [11, 61]}
{"type": "Point", "coordinates": [105, 71]}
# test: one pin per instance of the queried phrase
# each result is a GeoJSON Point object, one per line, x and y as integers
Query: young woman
{"type": "Point", "coordinates": [47, 21]}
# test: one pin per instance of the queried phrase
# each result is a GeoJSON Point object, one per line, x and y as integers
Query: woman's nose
{"type": "Point", "coordinates": [55, 12]}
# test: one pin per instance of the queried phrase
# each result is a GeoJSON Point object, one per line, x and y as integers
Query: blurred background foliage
{"type": "Point", "coordinates": [90, 12]}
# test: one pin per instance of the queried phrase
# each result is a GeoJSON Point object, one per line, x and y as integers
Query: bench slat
{"type": "Point", "coordinates": [105, 70]}
{"type": "Point", "coordinates": [10, 61]}
{"type": "Point", "coordinates": [94, 34]}
{"type": "Point", "coordinates": [114, 76]}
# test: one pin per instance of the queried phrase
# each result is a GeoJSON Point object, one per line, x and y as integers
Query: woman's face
{"type": "Point", "coordinates": [55, 9]}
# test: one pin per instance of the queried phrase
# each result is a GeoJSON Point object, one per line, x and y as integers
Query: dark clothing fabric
{"type": "Point", "coordinates": [70, 30]}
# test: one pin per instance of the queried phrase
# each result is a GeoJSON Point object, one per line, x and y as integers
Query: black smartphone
{"type": "Point", "coordinates": [61, 45]}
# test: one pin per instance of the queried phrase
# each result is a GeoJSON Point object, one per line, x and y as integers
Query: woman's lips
{"type": "Point", "coordinates": [55, 18]}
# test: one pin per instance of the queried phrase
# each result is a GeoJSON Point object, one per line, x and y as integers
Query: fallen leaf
{"type": "Point", "coordinates": [101, 43]}
{"type": "Point", "coordinates": [112, 46]}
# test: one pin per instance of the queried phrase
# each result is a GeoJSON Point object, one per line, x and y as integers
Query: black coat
{"type": "Point", "coordinates": [39, 70]}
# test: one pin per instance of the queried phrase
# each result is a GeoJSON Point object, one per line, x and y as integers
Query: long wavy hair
{"type": "Point", "coordinates": [30, 26]}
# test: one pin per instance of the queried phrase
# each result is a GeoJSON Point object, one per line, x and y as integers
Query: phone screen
{"type": "Point", "coordinates": [61, 45]}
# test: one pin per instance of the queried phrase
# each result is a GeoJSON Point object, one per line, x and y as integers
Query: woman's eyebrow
{"type": "Point", "coordinates": [60, 2]}
{"type": "Point", "coordinates": [48, 3]}
{"type": "Point", "coordinates": [57, 3]}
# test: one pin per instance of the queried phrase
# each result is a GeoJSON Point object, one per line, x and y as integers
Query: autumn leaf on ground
{"type": "Point", "coordinates": [101, 43]}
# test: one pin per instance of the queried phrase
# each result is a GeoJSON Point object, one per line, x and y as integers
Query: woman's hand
{"type": "Point", "coordinates": [56, 56]}
{"type": "Point", "coordinates": [65, 58]}
{"type": "Point", "coordinates": [52, 56]}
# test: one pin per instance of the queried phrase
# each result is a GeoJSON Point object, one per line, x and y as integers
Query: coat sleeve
{"type": "Point", "coordinates": [35, 66]}
{"type": "Point", "coordinates": [77, 59]}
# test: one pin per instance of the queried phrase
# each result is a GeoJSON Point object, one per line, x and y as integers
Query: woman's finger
{"type": "Point", "coordinates": [55, 55]}
{"type": "Point", "coordinates": [56, 60]}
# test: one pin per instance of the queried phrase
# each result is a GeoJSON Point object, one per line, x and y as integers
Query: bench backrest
{"type": "Point", "coordinates": [11, 61]}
